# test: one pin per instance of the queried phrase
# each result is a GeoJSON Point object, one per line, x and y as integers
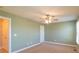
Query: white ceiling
{"type": "Point", "coordinates": [62, 13]}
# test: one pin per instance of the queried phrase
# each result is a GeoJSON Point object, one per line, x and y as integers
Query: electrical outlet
{"type": "Point", "coordinates": [15, 35]}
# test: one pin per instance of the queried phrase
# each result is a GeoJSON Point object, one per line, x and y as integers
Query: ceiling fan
{"type": "Point", "coordinates": [48, 19]}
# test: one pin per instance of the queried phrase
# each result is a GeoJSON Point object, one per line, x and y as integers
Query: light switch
{"type": "Point", "coordinates": [15, 35]}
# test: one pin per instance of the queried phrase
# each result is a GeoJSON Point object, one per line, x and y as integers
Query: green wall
{"type": "Point", "coordinates": [64, 32]}
{"type": "Point", "coordinates": [27, 31]}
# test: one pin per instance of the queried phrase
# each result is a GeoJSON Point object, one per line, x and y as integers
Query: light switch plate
{"type": "Point", "coordinates": [15, 35]}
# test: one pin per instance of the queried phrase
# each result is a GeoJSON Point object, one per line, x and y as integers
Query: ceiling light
{"type": "Point", "coordinates": [48, 19]}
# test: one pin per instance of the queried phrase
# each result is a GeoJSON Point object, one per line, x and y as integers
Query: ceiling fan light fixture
{"type": "Point", "coordinates": [48, 19]}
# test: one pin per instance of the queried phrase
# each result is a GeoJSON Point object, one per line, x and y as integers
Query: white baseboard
{"type": "Point", "coordinates": [61, 44]}
{"type": "Point", "coordinates": [26, 48]}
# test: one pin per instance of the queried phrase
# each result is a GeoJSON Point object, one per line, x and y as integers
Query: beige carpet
{"type": "Point", "coordinates": [50, 48]}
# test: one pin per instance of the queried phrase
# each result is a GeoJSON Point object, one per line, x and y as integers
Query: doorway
{"type": "Point", "coordinates": [4, 35]}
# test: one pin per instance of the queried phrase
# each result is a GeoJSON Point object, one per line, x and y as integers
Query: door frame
{"type": "Point", "coordinates": [77, 32]}
{"type": "Point", "coordinates": [42, 33]}
{"type": "Point", "coordinates": [9, 43]}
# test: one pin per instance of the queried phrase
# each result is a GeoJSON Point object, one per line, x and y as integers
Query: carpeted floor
{"type": "Point", "coordinates": [50, 48]}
